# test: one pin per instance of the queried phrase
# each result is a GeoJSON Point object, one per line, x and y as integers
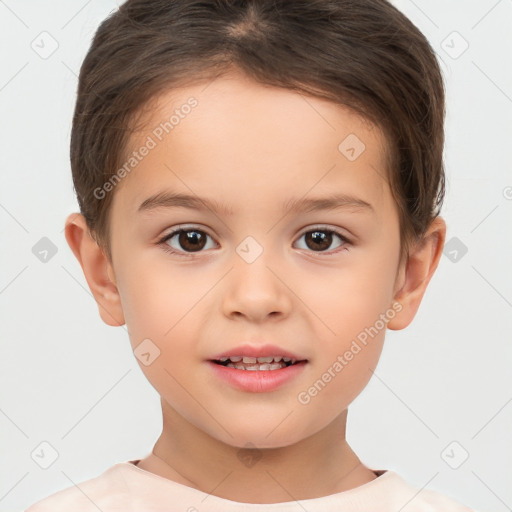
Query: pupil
{"type": "Point", "coordinates": [321, 239]}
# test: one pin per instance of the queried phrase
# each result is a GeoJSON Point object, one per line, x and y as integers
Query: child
{"type": "Point", "coordinates": [217, 146]}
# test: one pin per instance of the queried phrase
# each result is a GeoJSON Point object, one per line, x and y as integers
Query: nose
{"type": "Point", "coordinates": [256, 291]}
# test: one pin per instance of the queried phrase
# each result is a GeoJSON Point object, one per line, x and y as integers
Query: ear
{"type": "Point", "coordinates": [97, 269]}
{"type": "Point", "coordinates": [415, 274]}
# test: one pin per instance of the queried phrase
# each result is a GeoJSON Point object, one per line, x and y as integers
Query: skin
{"type": "Point", "coordinates": [253, 147]}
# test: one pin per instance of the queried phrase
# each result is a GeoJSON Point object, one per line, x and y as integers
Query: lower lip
{"type": "Point", "coordinates": [257, 381]}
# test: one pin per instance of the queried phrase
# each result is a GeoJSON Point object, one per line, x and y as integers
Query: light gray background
{"type": "Point", "coordinates": [68, 379]}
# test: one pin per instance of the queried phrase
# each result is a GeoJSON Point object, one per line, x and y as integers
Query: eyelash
{"type": "Point", "coordinates": [163, 241]}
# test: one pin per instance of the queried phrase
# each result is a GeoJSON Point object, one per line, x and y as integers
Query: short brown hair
{"type": "Point", "coordinates": [364, 54]}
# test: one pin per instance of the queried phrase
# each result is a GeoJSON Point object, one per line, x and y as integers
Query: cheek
{"type": "Point", "coordinates": [353, 296]}
{"type": "Point", "coordinates": [161, 317]}
{"type": "Point", "coordinates": [148, 312]}
{"type": "Point", "coordinates": [153, 293]}
{"type": "Point", "coordinates": [372, 277]}
{"type": "Point", "coordinates": [166, 306]}
{"type": "Point", "coordinates": [354, 304]}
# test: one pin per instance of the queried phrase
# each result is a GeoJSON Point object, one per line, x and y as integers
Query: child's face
{"type": "Point", "coordinates": [260, 275]}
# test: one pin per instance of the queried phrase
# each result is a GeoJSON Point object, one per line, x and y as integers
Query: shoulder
{"type": "Point", "coordinates": [414, 499]}
{"type": "Point", "coordinates": [431, 501]}
{"type": "Point", "coordinates": [95, 494]}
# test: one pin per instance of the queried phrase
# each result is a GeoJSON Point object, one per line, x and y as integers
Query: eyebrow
{"type": "Point", "coordinates": [169, 199]}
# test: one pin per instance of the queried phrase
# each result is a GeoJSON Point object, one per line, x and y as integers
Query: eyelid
{"type": "Point", "coordinates": [326, 227]}
{"type": "Point", "coordinates": [186, 227]}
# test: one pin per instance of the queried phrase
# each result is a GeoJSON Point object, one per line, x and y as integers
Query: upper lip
{"type": "Point", "coordinates": [258, 351]}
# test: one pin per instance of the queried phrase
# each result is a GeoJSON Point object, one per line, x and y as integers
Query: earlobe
{"type": "Point", "coordinates": [96, 268]}
{"type": "Point", "coordinates": [417, 272]}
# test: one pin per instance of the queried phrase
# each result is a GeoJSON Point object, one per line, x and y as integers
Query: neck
{"type": "Point", "coordinates": [319, 465]}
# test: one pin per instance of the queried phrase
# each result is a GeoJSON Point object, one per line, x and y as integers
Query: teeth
{"type": "Point", "coordinates": [255, 367]}
{"type": "Point", "coordinates": [254, 360]}
{"type": "Point", "coordinates": [257, 363]}
{"type": "Point", "coordinates": [259, 367]}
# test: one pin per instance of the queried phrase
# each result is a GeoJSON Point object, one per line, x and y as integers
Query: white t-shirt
{"type": "Point", "coordinates": [125, 487]}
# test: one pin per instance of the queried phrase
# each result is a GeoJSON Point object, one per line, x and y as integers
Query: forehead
{"type": "Point", "coordinates": [236, 140]}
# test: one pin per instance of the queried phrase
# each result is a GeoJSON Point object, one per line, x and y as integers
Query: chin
{"type": "Point", "coordinates": [260, 440]}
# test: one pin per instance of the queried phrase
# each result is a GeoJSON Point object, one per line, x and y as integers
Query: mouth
{"type": "Point", "coordinates": [266, 363]}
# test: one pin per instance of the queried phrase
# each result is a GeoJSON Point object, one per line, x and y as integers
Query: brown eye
{"type": "Point", "coordinates": [185, 241]}
{"type": "Point", "coordinates": [321, 240]}
{"type": "Point", "coordinates": [192, 240]}
{"type": "Point", "coordinates": [318, 240]}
